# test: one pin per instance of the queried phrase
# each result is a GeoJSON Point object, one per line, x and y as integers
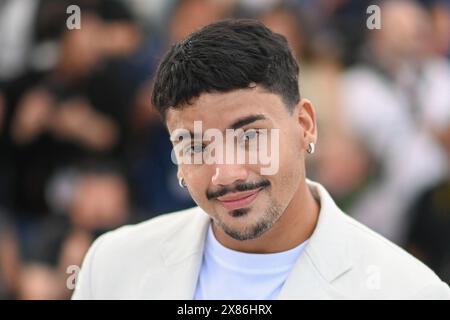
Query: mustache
{"type": "Point", "coordinates": [237, 188]}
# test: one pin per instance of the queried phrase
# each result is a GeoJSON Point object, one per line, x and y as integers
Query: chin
{"type": "Point", "coordinates": [240, 224]}
{"type": "Point", "coordinates": [244, 234]}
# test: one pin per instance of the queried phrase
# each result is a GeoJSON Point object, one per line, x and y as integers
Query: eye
{"type": "Point", "coordinates": [194, 148]}
{"type": "Point", "coordinates": [248, 135]}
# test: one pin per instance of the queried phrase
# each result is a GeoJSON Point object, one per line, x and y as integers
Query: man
{"type": "Point", "coordinates": [256, 234]}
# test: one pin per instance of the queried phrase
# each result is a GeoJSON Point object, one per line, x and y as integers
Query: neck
{"type": "Point", "coordinates": [296, 225]}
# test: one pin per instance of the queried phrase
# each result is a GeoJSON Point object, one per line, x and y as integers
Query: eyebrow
{"type": "Point", "coordinates": [176, 138]}
{"type": "Point", "coordinates": [246, 120]}
{"type": "Point", "coordinates": [235, 125]}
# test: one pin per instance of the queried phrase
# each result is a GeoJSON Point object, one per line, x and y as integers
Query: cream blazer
{"type": "Point", "coordinates": [161, 259]}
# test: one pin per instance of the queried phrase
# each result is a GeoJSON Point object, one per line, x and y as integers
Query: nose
{"type": "Point", "coordinates": [226, 174]}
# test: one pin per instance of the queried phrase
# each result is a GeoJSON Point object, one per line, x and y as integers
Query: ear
{"type": "Point", "coordinates": [306, 115]}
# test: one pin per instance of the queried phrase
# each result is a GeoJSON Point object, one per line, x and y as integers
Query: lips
{"type": "Point", "coordinates": [238, 200]}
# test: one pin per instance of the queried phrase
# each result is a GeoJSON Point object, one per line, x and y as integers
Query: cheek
{"type": "Point", "coordinates": [291, 165]}
{"type": "Point", "coordinates": [197, 179]}
{"type": "Point", "coordinates": [291, 147]}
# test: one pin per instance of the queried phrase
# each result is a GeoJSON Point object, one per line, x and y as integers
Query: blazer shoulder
{"type": "Point", "coordinates": [399, 273]}
{"type": "Point", "coordinates": [153, 230]}
{"type": "Point", "coordinates": [118, 260]}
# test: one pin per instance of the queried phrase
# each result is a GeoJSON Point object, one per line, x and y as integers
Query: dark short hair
{"type": "Point", "coordinates": [225, 56]}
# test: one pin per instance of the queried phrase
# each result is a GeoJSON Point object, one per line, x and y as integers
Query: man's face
{"type": "Point", "coordinates": [242, 200]}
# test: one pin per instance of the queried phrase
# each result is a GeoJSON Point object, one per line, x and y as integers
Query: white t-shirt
{"type": "Point", "coordinates": [229, 274]}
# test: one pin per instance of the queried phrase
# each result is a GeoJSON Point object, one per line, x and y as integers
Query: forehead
{"type": "Point", "coordinates": [219, 110]}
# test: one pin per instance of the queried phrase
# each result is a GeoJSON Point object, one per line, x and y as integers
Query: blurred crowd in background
{"type": "Point", "coordinates": [83, 152]}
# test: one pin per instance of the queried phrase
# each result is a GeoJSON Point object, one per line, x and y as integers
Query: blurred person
{"type": "Point", "coordinates": [153, 175]}
{"type": "Point", "coordinates": [428, 234]}
{"type": "Point", "coordinates": [190, 15]}
{"type": "Point", "coordinates": [253, 235]}
{"type": "Point", "coordinates": [2, 111]}
{"type": "Point", "coordinates": [16, 36]}
{"type": "Point", "coordinates": [321, 69]}
{"type": "Point", "coordinates": [388, 102]}
{"type": "Point", "coordinates": [10, 262]}
{"type": "Point", "coordinates": [151, 14]}
{"type": "Point", "coordinates": [440, 12]}
{"type": "Point", "coordinates": [336, 27]}
{"type": "Point", "coordinates": [3, 151]}
{"type": "Point", "coordinates": [29, 32]}
{"type": "Point", "coordinates": [74, 112]}
{"type": "Point", "coordinates": [121, 35]}
{"type": "Point", "coordinates": [98, 201]}
{"type": "Point", "coordinates": [286, 21]}
{"type": "Point", "coordinates": [38, 282]}
{"type": "Point", "coordinates": [342, 164]}
{"type": "Point", "coordinates": [151, 171]}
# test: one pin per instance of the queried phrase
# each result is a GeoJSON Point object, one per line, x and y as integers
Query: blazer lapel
{"type": "Point", "coordinates": [326, 256]}
{"type": "Point", "coordinates": [181, 255]}
{"type": "Point", "coordinates": [305, 283]}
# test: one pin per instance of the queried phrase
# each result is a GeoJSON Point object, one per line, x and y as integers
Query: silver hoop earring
{"type": "Point", "coordinates": [181, 182]}
{"type": "Point", "coordinates": [311, 148]}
